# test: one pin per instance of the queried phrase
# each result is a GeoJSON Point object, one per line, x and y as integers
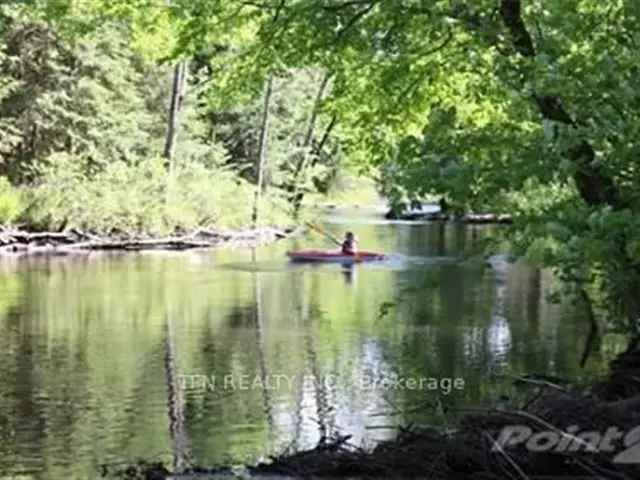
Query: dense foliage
{"type": "Point", "coordinates": [84, 99]}
{"type": "Point", "coordinates": [517, 106]}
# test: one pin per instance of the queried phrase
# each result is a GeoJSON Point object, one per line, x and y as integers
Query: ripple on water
{"type": "Point", "coordinates": [89, 348]}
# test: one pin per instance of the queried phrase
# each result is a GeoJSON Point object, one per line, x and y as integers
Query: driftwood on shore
{"type": "Point", "coordinates": [472, 218]}
{"type": "Point", "coordinates": [469, 218]}
{"type": "Point", "coordinates": [19, 242]}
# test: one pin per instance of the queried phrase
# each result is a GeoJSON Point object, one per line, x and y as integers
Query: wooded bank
{"type": "Point", "coordinates": [142, 116]}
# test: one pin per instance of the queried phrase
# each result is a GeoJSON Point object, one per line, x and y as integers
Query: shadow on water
{"type": "Point", "coordinates": [93, 349]}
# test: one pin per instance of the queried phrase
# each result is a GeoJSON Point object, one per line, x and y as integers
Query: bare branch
{"type": "Point", "coordinates": [348, 4]}
{"type": "Point", "coordinates": [356, 18]}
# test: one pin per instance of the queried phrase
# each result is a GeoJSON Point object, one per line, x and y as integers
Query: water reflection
{"type": "Point", "coordinates": [93, 348]}
{"type": "Point", "coordinates": [175, 401]}
{"type": "Point", "coordinates": [349, 272]}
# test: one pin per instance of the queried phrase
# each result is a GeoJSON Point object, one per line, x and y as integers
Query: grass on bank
{"type": "Point", "coordinates": [137, 198]}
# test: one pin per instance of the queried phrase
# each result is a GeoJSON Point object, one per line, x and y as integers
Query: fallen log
{"type": "Point", "coordinates": [480, 218]}
{"type": "Point", "coordinates": [73, 241]}
{"type": "Point", "coordinates": [470, 218]}
{"type": "Point", "coordinates": [161, 244]}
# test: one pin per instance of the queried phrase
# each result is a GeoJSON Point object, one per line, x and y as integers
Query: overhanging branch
{"type": "Point", "coordinates": [596, 187]}
{"type": "Point", "coordinates": [356, 18]}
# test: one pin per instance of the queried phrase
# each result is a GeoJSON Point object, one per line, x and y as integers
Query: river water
{"type": "Point", "coordinates": [229, 356]}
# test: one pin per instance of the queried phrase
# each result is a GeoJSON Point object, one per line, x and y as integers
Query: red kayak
{"type": "Point", "coordinates": [334, 256]}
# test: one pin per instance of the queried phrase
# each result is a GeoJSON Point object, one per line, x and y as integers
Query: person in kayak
{"type": "Point", "coordinates": [350, 244]}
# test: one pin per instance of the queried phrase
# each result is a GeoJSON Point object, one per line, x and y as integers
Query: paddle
{"type": "Point", "coordinates": [322, 231]}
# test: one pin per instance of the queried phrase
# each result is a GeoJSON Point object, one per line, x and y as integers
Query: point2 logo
{"type": "Point", "coordinates": [574, 440]}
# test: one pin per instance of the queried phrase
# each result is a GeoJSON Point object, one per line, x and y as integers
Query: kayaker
{"type": "Point", "coordinates": [350, 244]}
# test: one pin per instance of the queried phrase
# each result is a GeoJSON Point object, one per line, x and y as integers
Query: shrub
{"type": "Point", "coordinates": [142, 197]}
{"type": "Point", "coordinates": [11, 205]}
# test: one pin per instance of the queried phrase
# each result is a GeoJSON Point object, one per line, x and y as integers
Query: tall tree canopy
{"type": "Point", "coordinates": [520, 105]}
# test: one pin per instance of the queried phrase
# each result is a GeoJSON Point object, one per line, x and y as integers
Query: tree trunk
{"type": "Point", "coordinates": [316, 110]}
{"type": "Point", "coordinates": [262, 157]}
{"type": "Point", "coordinates": [297, 196]}
{"type": "Point", "coordinates": [178, 92]}
{"type": "Point", "coordinates": [327, 133]}
{"type": "Point", "coordinates": [595, 186]}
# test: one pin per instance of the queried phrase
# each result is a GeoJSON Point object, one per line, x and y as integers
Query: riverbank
{"type": "Point", "coordinates": [557, 433]}
{"type": "Point", "coordinates": [469, 218]}
{"type": "Point", "coordinates": [439, 216]}
{"type": "Point", "coordinates": [17, 242]}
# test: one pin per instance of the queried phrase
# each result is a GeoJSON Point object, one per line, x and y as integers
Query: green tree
{"type": "Point", "coordinates": [494, 105]}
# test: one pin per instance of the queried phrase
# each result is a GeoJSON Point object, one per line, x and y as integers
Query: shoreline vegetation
{"type": "Point", "coordinates": [162, 117]}
{"type": "Point", "coordinates": [142, 118]}
{"type": "Point", "coordinates": [20, 241]}
{"type": "Point", "coordinates": [468, 451]}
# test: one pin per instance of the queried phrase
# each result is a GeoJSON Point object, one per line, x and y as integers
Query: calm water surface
{"type": "Point", "coordinates": [103, 358]}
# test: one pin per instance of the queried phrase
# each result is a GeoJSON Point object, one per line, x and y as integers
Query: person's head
{"type": "Point", "coordinates": [350, 236]}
